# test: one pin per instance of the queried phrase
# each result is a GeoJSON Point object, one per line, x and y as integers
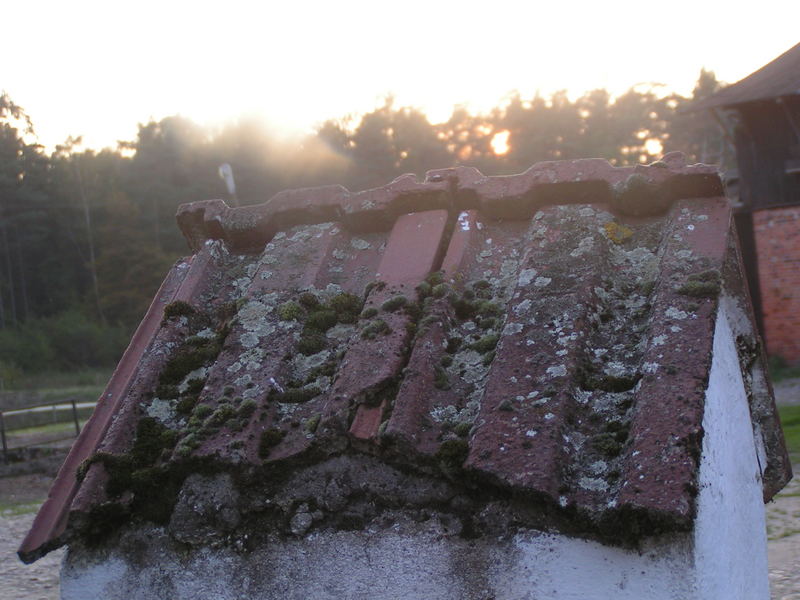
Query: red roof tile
{"type": "Point", "coordinates": [546, 334]}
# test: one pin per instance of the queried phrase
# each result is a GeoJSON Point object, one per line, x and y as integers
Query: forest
{"type": "Point", "coordinates": [86, 236]}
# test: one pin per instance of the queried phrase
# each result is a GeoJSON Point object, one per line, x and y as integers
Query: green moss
{"type": "Point", "coordinates": [435, 278]}
{"type": "Point", "coordinates": [428, 320]}
{"type": "Point", "coordinates": [440, 290]}
{"type": "Point", "coordinates": [462, 429]}
{"type": "Point", "coordinates": [465, 309]}
{"type": "Point", "coordinates": [134, 471]}
{"type": "Point", "coordinates": [646, 287]}
{"type": "Point", "coordinates": [187, 359]}
{"type": "Point", "coordinates": [103, 520]}
{"type": "Point", "coordinates": [488, 358]}
{"type": "Point", "coordinates": [423, 290]}
{"type": "Point", "coordinates": [247, 408]}
{"type": "Point", "coordinates": [440, 380]}
{"type": "Point", "coordinates": [195, 385]}
{"type": "Point", "coordinates": [290, 311]}
{"type": "Point", "coordinates": [369, 313]}
{"type": "Point", "coordinates": [308, 300]}
{"type": "Point", "coordinates": [269, 439]}
{"type": "Point", "coordinates": [376, 328]}
{"type": "Point", "coordinates": [312, 423]}
{"type": "Point", "coordinates": [481, 285]}
{"type": "Point", "coordinates": [151, 438]}
{"type": "Point", "coordinates": [326, 369]}
{"type": "Point", "coordinates": [311, 343]}
{"type": "Point", "coordinates": [705, 284]}
{"type": "Point", "coordinates": [185, 405]}
{"type": "Point", "coordinates": [394, 303]}
{"type": "Point", "coordinates": [374, 285]}
{"type": "Point", "coordinates": [320, 320]}
{"type": "Point", "coordinates": [607, 444]}
{"type": "Point", "coordinates": [201, 411]}
{"type": "Point", "coordinates": [165, 392]}
{"type": "Point", "coordinates": [220, 416]}
{"type": "Point", "coordinates": [346, 306]}
{"type": "Point", "coordinates": [619, 429]}
{"type": "Point", "coordinates": [608, 383]}
{"type": "Point", "coordinates": [452, 453]}
{"type": "Point", "coordinates": [699, 289]}
{"type": "Point", "coordinates": [486, 344]}
{"type": "Point", "coordinates": [179, 308]}
{"type": "Point", "coordinates": [294, 395]}
{"type": "Point", "coordinates": [487, 323]}
{"type": "Point", "coordinates": [227, 311]}
{"type": "Point", "coordinates": [453, 345]}
{"type": "Point", "coordinates": [506, 405]}
{"type": "Point", "coordinates": [446, 361]}
{"type": "Point", "coordinates": [83, 469]}
{"type": "Point", "coordinates": [485, 308]}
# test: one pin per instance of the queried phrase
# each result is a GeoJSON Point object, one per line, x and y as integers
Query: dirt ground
{"type": "Point", "coordinates": [20, 496]}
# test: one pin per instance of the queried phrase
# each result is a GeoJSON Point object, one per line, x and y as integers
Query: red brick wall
{"type": "Point", "coordinates": [777, 235]}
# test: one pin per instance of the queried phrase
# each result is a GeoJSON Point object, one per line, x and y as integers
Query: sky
{"type": "Point", "coordinates": [98, 68]}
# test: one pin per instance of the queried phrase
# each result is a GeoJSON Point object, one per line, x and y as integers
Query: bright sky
{"type": "Point", "coordinates": [97, 68]}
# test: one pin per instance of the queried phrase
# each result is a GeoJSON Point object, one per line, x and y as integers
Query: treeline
{"type": "Point", "coordinates": [87, 236]}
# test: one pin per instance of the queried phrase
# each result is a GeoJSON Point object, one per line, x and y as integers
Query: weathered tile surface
{"type": "Point", "coordinates": [546, 335]}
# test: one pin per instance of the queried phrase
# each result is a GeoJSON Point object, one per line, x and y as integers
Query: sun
{"type": "Point", "coordinates": [499, 142]}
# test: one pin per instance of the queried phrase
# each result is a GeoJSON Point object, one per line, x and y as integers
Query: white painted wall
{"type": "Point", "coordinates": [730, 531]}
{"type": "Point", "coordinates": [390, 565]}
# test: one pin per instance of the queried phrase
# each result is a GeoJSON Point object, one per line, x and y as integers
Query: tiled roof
{"type": "Point", "coordinates": [776, 79]}
{"type": "Point", "coordinates": [546, 335]}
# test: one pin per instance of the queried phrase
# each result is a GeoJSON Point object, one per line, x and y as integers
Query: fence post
{"type": "Point", "coordinates": [75, 417]}
{"type": "Point", "coordinates": [3, 434]}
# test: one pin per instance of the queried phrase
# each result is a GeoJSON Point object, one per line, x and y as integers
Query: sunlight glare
{"type": "Point", "coordinates": [500, 144]}
{"type": "Point", "coordinates": [653, 147]}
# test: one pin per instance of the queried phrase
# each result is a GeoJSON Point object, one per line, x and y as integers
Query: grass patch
{"type": "Point", "coordinates": [17, 509]}
{"type": "Point", "coordinates": [790, 421]}
{"type": "Point", "coordinates": [43, 388]}
{"type": "Point", "coordinates": [779, 369]}
{"type": "Point", "coordinates": [52, 428]}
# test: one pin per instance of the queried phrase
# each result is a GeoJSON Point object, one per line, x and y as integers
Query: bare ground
{"type": "Point", "coordinates": [19, 498]}
{"type": "Point", "coordinates": [787, 391]}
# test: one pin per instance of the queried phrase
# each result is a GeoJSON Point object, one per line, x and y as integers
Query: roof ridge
{"type": "Point", "coordinates": [636, 190]}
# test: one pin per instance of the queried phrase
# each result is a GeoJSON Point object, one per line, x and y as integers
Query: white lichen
{"type": "Point", "coordinates": [593, 484]}
{"type": "Point", "coordinates": [360, 244]}
{"type": "Point", "coordinates": [526, 276]}
{"type": "Point", "coordinates": [674, 313]}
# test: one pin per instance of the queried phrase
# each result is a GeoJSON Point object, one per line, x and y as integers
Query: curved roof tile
{"type": "Point", "coordinates": [546, 334]}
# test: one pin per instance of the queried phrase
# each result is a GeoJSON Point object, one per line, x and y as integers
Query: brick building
{"type": "Point", "coordinates": [761, 116]}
